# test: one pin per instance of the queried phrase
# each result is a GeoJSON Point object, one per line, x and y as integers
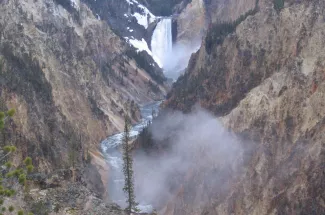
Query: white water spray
{"type": "Point", "coordinates": [162, 41]}
{"type": "Point", "coordinates": [173, 58]}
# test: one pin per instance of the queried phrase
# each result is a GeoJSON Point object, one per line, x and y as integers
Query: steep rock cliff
{"type": "Point", "coordinates": [191, 22]}
{"type": "Point", "coordinates": [127, 18]}
{"type": "Point", "coordinates": [196, 18]}
{"type": "Point", "coordinates": [227, 10]}
{"type": "Point", "coordinates": [70, 78]}
{"type": "Point", "coordinates": [266, 80]}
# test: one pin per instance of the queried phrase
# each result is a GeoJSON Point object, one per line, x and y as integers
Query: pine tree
{"type": "Point", "coordinates": [127, 169]}
{"type": "Point", "coordinates": [4, 116]}
{"type": "Point", "coordinates": [11, 176]}
{"type": "Point", "coordinates": [278, 4]}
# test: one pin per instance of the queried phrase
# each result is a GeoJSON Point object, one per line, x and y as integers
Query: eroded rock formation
{"type": "Point", "coordinates": [71, 80]}
{"type": "Point", "coordinates": [265, 80]}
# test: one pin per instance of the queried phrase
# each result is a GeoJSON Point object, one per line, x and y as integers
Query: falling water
{"type": "Point", "coordinates": [162, 41]}
{"type": "Point", "coordinates": [161, 46]}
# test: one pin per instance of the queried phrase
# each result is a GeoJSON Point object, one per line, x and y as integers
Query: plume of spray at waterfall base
{"type": "Point", "coordinates": [196, 140]}
{"type": "Point", "coordinates": [177, 60]}
{"type": "Point", "coordinates": [173, 57]}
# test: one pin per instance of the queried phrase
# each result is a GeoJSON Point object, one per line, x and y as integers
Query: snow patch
{"type": "Point", "coordinates": [75, 4]}
{"type": "Point", "coordinates": [141, 45]}
{"type": "Point", "coordinates": [145, 18]}
{"type": "Point", "coordinates": [129, 1]}
{"type": "Point", "coordinates": [142, 20]}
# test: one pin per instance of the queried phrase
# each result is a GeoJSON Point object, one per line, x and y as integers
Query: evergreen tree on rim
{"type": "Point", "coordinates": [127, 169]}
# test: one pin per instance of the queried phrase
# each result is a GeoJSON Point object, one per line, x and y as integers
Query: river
{"type": "Point", "coordinates": [110, 149]}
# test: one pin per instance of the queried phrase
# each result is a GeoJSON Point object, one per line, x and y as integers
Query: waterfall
{"type": "Point", "coordinates": [162, 41]}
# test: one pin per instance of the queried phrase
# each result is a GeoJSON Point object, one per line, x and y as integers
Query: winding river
{"type": "Point", "coordinates": [110, 149]}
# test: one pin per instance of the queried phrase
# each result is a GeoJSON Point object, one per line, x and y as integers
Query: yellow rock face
{"type": "Point", "coordinates": [68, 76]}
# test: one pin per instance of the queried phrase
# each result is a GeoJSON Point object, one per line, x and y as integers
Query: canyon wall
{"type": "Point", "coordinates": [70, 78]}
{"type": "Point", "coordinates": [194, 20]}
{"type": "Point", "coordinates": [265, 81]}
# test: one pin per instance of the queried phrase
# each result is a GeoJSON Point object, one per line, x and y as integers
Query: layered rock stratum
{"type": "Point", "coordinates": [265, 82]}
{"type": "Point", "coordinates": [71, 79]}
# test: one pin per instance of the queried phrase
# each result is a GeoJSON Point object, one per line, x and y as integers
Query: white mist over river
{"type": "Point", "coordinates": [173, 59]}
{"type": "Point", "coordinates": [196, 141]}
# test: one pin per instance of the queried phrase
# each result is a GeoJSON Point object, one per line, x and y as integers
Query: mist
{"type": "Point", "coordinates": [176, 61]}
{"type": "Point", "coordinates": [195, 141]}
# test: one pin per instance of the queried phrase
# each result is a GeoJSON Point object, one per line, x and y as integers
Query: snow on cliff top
{"type": "Point", "coordinates": [75, 4]}
{"type": "Point", "coordinates": [145, 18]}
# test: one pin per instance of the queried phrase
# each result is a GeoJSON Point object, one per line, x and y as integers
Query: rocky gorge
{"type": "Point", "coordinates": [70, 79]}
{"type": "Point", "coordinates": [74, 69]}
{"type": "Point", "coordinates": [264, 81]}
